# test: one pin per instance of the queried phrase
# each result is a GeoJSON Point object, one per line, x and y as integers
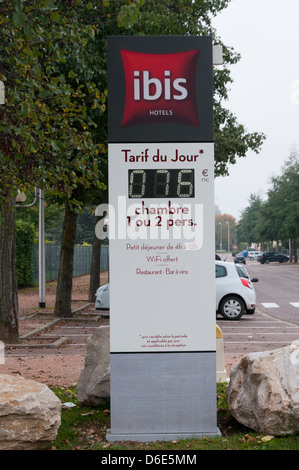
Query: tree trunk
{"type": "Point", "coordinates": [95, 266]}
{"type": "Point", "coordinates": [9, 321]}
{"type": "Point", "coordinates": [65, 275]}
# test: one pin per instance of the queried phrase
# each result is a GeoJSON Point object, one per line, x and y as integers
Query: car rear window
{"type": "Point", "coordinates": [242, 272]}
{"type": "Point", "coordinates": [220, 271]}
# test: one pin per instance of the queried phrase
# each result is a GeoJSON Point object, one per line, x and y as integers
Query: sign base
{"type": "Point", "coordinates": [163, 396]}
{"type": "Point", "coordinates": [158, 437]}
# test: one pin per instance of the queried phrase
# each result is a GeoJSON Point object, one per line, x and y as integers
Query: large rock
{"type": "Point", "coordinates": [30, 414]}
{"type": "Point", "coordinates": [263, 392]}
{"type": "Point", "coordinates": [94, 381]}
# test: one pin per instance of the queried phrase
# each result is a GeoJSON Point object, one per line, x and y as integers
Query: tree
{"type": "Point", "coordinates": [8, 276]}
{"type": "Point", "coordinates": [45, 136]}
{"type": "Point", "coordinates": [279, 218]}
{"type": "Point", "coordinates": [98, 17]}
{"type": "Point", "coordinates": [96, 258]}
{"type": "Point", "coordinates": [232, 140]}
{"type": "Point", "coordinates": [104, 19]}
{"type": "Point", "coordinates": [65, 275]}
{"type": "Point", "coordinates": [276, 218]}
{"type": "Point", "coordinates": [188, 17]}
{"type": "Point", "coordinates": [247, 227]}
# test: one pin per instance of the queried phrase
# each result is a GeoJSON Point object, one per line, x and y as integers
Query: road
{"type": "Point", "coordinates": [276, 320]}
{"type": "Point", "coordinates": [277, 290]}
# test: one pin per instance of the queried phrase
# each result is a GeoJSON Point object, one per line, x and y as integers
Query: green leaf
{"type": "Point", "coordinates": [127, 16]}
{"type": "Point", "coordinates": [19, 19]}
{"type": "Point", "coordinates": [55, 146]}
{"type": "Point", "coordinates": [55, 17]}
{"type": "Point", "coordinates": [72, 74]}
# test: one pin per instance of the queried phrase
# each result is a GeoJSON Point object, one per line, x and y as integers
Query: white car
{"type": "Point", "coordinates": [235, 294]}
{"type": "Point", "coordinates": [102, 298]}
{"type": "Point", "coordinates": [254, 254]}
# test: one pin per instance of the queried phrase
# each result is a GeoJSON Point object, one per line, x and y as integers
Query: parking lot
{"type": "Point", "coordinates": [276, 320]}
{"type": "Point", "coordinates": [256, 333]}
{"type": "Point", "coordinates": [56, 354]}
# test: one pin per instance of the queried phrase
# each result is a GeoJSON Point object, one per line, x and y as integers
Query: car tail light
{"type": "Point", "coordinates": [246, 283]}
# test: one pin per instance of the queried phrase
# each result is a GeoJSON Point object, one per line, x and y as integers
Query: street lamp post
{"type": "Point", "coordinates": [41, 251]}
{"type": "Point", "coordinates": [220, 235]}
{"type": "Point", "coordinates": [42, 287]}
{"type": "Point", "coordinates": [39, 194]}
{"type": "Point", "coordinates": [228, 241]}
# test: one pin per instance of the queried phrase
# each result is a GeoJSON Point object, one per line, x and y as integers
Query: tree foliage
{"type": "Point", "coordinates": [247, 227]}
{"type": "Point", "coordinates": [276, 218]}
{"type": "Point", "coordinates": [45, 137]}
{"type": "Point", "coordinates": [187, 17]}
{"type": "Point", "coordinates": [45, 129]}
{"type": "Point", "coordinates": [53, 64]}
{"type": "Point", "coordinates": [279, 217]}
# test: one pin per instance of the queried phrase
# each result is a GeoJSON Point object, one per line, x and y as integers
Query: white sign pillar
{"type": "Point", "coordinates": [161, 235]}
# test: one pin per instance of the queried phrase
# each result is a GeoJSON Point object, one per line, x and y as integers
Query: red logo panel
{"type": "Point", "coordinates": [160, 88]}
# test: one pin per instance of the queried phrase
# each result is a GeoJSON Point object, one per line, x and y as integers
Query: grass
{"type": "Point", "coordinates": [84, 428]}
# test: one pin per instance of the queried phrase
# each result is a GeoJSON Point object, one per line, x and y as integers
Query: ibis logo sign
{"type": "Point", "coordinates": [160, 88]}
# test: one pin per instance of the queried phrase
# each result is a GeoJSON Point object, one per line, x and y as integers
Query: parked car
{"type": "Point", "coordinates": [254, 254]}
{"type": "Point", "coordinates": [240, 258]}
{"type": "Point", "coordinates": [102, 298]}
{"type": "Point", "coordinates": [235, 294]}
{"type": "Point", "coordinates": [272, 256]}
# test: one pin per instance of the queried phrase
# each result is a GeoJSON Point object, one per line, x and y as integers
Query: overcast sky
{"type": "Point", "coordinates": [264, 95]}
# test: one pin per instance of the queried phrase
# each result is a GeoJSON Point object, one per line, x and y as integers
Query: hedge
{"type": "Point", "coordinates": [24, 243]}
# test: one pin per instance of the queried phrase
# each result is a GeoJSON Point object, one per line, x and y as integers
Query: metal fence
{"type": "Point", "coordinates": [82, 260]}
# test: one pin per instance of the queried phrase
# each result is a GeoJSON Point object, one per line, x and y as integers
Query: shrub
{"type": "Point", "coordinates": [24, 244]}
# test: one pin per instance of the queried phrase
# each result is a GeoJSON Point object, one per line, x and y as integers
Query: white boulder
{"type": "Point", "coordinates": [30, 414]}
{"type": "Point", "coordinates": [263, 392]}
{"type": "Point", "coordinates": [94, 382]}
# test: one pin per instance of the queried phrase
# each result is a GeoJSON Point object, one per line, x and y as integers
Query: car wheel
{"type": "Point", "coordinates": [267, 261]}
{"type": "Point", "coordinates": [232, 308]}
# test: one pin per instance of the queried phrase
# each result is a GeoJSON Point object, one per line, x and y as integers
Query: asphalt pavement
{"type": "Point", "coordinates": [277, 290]}
{"type": "Point", "coordinates": [275, 322]}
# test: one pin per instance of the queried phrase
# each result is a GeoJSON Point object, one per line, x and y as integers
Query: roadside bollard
{"type": "Point", "coordinates": [220, 369]}
{"type": "Point", "coordinates": [2, 349]}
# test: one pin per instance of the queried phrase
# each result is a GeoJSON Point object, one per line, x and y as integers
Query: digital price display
{"type": "Point", "coordinates": [161, 183]}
